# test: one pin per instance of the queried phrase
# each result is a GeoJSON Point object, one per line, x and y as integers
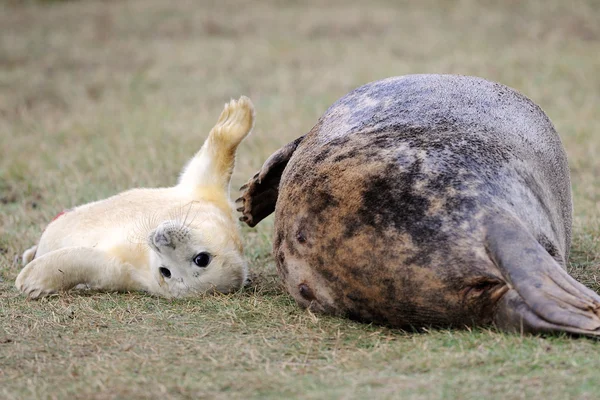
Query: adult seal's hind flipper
{"type": "Point", "coordinates": [542, 296]}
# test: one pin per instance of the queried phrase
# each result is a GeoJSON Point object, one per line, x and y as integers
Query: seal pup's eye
{"type": "Point", "coordinates": [202, 259]}
{"type": "Point", "coordinates": [165, 272]}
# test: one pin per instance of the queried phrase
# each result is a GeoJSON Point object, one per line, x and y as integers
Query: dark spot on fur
{"type": "Point", "coordinates": [351, 227]}
{"type": "Point", "coordinates": [354, 296]}
{"type": "Point", "coordinates": [548, 245]}
{"type": "Point", "coordinates": [300, 238]}
{"type": "Point", "coordinates": [322, 155]}
{"type": "Point", "coordinates": [321, 200]}
{"type": "Point", "coordinates": [278, 239]}
{"type": "Point", "coordinates": [351, 153]}
{"type": "Point", "coordinates": [280, 257]}
{"type": "Point", "coordinates": [391, 200]}
{"type": "Point", "coordinates": [290, 245]}
{"type": "Point", "coordinates": [328, 275]}
{"type": "Point", "coordinates": [281, 265]}
{"type": "Point", "coordinates": [389, 289]}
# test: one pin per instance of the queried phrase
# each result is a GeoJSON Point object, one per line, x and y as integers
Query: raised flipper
{"type": "Point", "coordinates": [66, 268]}
{"type": "Point", "coordinates": [260, 193]}
{"type": "Point", "coordinates": [542, 296]}
{"type": "Point", "coordinates": [213, 164]}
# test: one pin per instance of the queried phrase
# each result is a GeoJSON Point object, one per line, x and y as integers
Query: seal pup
{"type": "Point", "coordinates": [173, 242]}
{"type": "Point", "coordinates": [427, 201]}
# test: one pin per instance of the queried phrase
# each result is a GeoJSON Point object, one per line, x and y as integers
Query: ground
{"type": "Point", "coordinates": [100, 96]}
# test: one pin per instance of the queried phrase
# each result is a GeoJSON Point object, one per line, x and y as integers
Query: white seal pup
{"type": "Point", "coordinates": [173, 242]}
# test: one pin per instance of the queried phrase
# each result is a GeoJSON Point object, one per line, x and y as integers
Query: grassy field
{"type": "Point", "coordinates": [97, 97]}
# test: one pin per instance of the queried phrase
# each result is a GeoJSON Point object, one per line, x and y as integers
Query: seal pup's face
{"type": "Point", "coordinates": [205, 254]}
{"type": "Point", "coordinates": [201, 257]}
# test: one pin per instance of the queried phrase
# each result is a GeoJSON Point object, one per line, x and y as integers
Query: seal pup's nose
{"type": "Point", "coordinates": [162, 239]}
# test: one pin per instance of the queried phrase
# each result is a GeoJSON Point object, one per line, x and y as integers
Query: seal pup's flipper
{"type": "Point", "coordinates": [543, 297]}
{"type": "Point", "coordinates": [259, 194]}
{"type": "Point", "coordinates": [213, 165]}
{"type": "Point", "coordinates": [29, 255]}
{"type": "Point", "coordinates": [68, 267]}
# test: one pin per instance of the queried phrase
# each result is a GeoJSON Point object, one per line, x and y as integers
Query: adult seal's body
{"type": "Point", "coordinates": [427, 200]}
{"type": "Point", "coordinates": [173, 242]}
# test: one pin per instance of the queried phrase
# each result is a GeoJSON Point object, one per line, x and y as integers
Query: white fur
{"type": "Point", "coordinates": [121, 243]}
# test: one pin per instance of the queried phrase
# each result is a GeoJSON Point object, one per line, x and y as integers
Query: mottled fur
{"type": "Point", "coordinates": [383, 210]}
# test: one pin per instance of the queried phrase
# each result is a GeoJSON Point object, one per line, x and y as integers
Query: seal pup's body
{"type": "Point", "coordinates": [173, 242]}
{"type": "Point", "coordinates": [427, 200]}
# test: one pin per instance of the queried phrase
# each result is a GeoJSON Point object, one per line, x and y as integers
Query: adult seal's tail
{"type": "Point", "coordinates": [427, 200]}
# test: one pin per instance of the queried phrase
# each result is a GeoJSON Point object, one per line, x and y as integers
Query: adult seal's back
{"type": "Point", "coordinates": [427, 200]}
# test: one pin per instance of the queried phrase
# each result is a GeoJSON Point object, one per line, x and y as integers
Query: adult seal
{"type": "Point", "coordinates": [427, 201]}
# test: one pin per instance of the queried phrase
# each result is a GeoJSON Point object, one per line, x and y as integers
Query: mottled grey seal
{"type": "Point", "coordinates": [427, 201]}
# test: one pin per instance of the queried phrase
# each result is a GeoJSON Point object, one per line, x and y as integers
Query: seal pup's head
{"type": "Point", "coordinates": [204, 254]}
{"type": "Point", "coordinates": [197, 257]}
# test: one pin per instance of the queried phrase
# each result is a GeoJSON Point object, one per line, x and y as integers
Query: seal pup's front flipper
{"type": "Point", "coordinates": [65, 268]}
{"type": "Point", "coordinates": [259, 194]}
{"type": "Point", "coordinates": [213, 164]}
{"type": "Point", "coordinates": [542, 297]}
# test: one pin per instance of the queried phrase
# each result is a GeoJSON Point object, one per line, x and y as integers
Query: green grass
{"type": "Point", "coordinates": [97, 97]}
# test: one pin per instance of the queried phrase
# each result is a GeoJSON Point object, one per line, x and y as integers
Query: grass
{"type": "Point", "coordinates": [97, 97]}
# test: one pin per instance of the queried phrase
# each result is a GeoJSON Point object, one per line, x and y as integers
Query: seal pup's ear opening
{"type": "Point", "coordinates": [259, 194]}
{"type": "Point", "coordinates": [542, 297]}
{"type": "Point", "coordinates": [213, 164]}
